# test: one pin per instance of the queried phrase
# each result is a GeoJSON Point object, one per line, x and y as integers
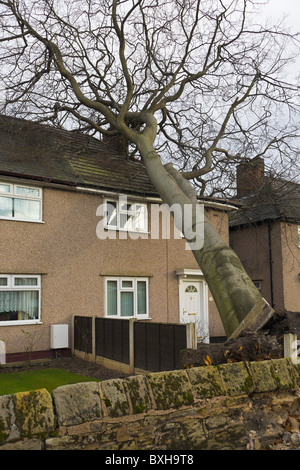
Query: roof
{"type": "Point", "coordinates": [37, 151]}
{"type": "Point", "coordinates": [40, 152]}
{"type": "Point", "coordinates": [277, 199]}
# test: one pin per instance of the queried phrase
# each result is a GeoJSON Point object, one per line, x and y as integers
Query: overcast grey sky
{"type": "Point", "coordinates": [278, 8]}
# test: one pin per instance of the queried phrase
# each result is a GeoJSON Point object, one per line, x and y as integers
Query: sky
{"type": "Point", "coordinates": [291, 8]}
{"type": "Point", "coordinates": [275, 10]}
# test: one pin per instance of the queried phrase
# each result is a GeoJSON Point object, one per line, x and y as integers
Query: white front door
{"type": "Point", "coordinates": [193, 306]}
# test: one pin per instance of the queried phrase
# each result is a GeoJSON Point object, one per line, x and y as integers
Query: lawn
{"type": "Point", "coordinates": [25, 381]}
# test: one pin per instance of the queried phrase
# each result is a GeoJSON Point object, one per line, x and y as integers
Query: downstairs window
{"type": "Point", "coordinates": [20, 298]}
{"type": "Point", "coordinates": [127, 297]}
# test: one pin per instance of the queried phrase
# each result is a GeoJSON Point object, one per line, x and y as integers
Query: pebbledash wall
{"type": "Point", "coordinates": [73, 263]}
{"type": "Point", "coordinates": [214, 407]}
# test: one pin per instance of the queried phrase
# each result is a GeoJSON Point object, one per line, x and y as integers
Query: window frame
{"type": "Point", "coordinates": [12, 287]}
{"type": "Point", "coordinates": [298, 236]}
{"type": "Point", "coordinates": [120, 211]}
{"type": "Point", "coordinates": [134, 289]}
{"type": "Point", "coordinates": [13, 194]}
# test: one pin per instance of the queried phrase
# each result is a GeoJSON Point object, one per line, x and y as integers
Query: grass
{"type": "Point", "coordinates": [25, 381]}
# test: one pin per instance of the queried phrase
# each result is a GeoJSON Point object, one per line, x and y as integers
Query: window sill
{"type": "Point", "coordinates": [11, 219]}
{"type": "Point", "coordinates": [20, 323]}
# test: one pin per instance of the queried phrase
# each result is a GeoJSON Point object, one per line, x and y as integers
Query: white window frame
{"type": "Point", "coordinates": [120, 289]}
{"type": "Point", "coordinates": [13, 194]}
{"type": "Point", "coordinates": [12, 287]}
{"type": "Point", "coordinates": [118, 202]}
{"type": "Point", "coordinates": [298, 236]}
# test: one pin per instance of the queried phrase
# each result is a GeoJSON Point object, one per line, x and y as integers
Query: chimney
{"type": "Point", "coordinates": [117, 143]}
{"type": "Point", "coordinates": [249, 177]}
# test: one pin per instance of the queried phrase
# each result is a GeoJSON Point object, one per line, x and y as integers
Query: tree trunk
{"type": "Point", "coordinates": [239, 303]}
{"type": "Point", "coordinates": [233, 291]}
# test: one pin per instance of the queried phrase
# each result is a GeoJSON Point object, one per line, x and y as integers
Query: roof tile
{"type": "Point", "coordinates": [43, 152]}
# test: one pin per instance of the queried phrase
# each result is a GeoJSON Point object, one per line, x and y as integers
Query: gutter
{"type": "Point", "coordinates": [41, 179]}
{"type": "Point", "coordinates": [220, 205]}
{"type": "Point", "coordinates": [65, 184]}
{"type": "Point", "coordinates": [103, 192]}
{"type": "Point", "coordinates": [215, 204]}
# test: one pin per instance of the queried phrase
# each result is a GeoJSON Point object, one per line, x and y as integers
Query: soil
{"type": "Point", "coordinates": [248, 346]}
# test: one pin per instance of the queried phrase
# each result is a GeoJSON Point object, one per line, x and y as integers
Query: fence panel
{"type": "Point", "coordinates": [172, 341]}
{"type": "Point", "coordinates": [157, 346]}
{"type": "Point", "coordinates": [140, 345]}
{"type": "Point", "coordinates": [112, 339]}
{"type": "Point", "coordinates": [83, 334]}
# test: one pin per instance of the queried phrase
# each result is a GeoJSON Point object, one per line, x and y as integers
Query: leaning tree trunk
{"type": "Point", "coordinates": [233, 291]}
{"type": "Point", "coordinates": [239, 303]}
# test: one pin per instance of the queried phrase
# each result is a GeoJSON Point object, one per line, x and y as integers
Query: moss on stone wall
{"type": "Point", "coordinates": [34, 414]}
{"type": "Point", "coordinates": [213, 407]}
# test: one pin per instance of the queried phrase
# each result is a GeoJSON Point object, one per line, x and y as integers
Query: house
{"type": "Point", "coordinates": [59, 260]}
{"type": "Point", "coordinates": [265, 234]}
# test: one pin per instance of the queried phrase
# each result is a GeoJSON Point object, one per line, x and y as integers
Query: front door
{"type": "Point", "coordinates": [193, 307]}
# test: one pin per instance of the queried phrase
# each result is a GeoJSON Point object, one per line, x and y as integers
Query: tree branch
{"type": "Point", "coordinates": [208, 155]}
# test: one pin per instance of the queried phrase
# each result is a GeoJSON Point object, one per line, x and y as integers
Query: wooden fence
{"type": "Point", "coordinates": [130, 345]}
{"type": "Point", "coordinates": [157, 346]}
{"type": "Point", "coordinates": [112, 339]}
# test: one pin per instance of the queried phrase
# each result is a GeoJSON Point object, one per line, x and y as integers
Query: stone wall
{"type": "Point", "coordinates": [231, 406]}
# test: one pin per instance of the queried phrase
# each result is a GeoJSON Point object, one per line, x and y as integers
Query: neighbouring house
{"type": "Point", "coordinates": [265, 234]}
{"type": "Point", "coordinates": [58, 259]}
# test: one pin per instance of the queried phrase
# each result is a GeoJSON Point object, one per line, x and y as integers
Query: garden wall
{"type": "Point", "coordinates": [231, 406]}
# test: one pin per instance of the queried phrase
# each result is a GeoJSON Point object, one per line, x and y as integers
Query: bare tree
{"type": "Point", "coordinates": [193, 82]}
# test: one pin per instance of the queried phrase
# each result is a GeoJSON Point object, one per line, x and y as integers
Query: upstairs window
{"type": "Point", "coordinates": [18, 202]}
{"type": "Point", "coordinates": [20, 299]}
{"type": "Point", "coordinates": [126, 216]}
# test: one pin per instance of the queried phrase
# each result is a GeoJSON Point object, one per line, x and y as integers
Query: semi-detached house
{"type": "Point", "coordinates": [59, 260]}
{"type": "Point", "coordinates": [265, 234]}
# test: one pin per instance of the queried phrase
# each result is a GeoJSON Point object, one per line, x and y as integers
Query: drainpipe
{"type": "Point", "coordinates": [270, 263]}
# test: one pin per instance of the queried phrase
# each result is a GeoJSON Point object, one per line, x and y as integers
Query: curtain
{"type": "Point", "coordinates": [26, 209]}
{"type": "Point", "coordinates": [6, 206]}
{"type": "Point", "coordinates": [141, 298]}
{"type": "Point", "coordinates": [19, 305]}
{"type": "Point", "coordinates": [19, 208]}
{"type": "Point", "coordinates": [127, 304]}
{"type": "Point", "coordinates": [112, 298]}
